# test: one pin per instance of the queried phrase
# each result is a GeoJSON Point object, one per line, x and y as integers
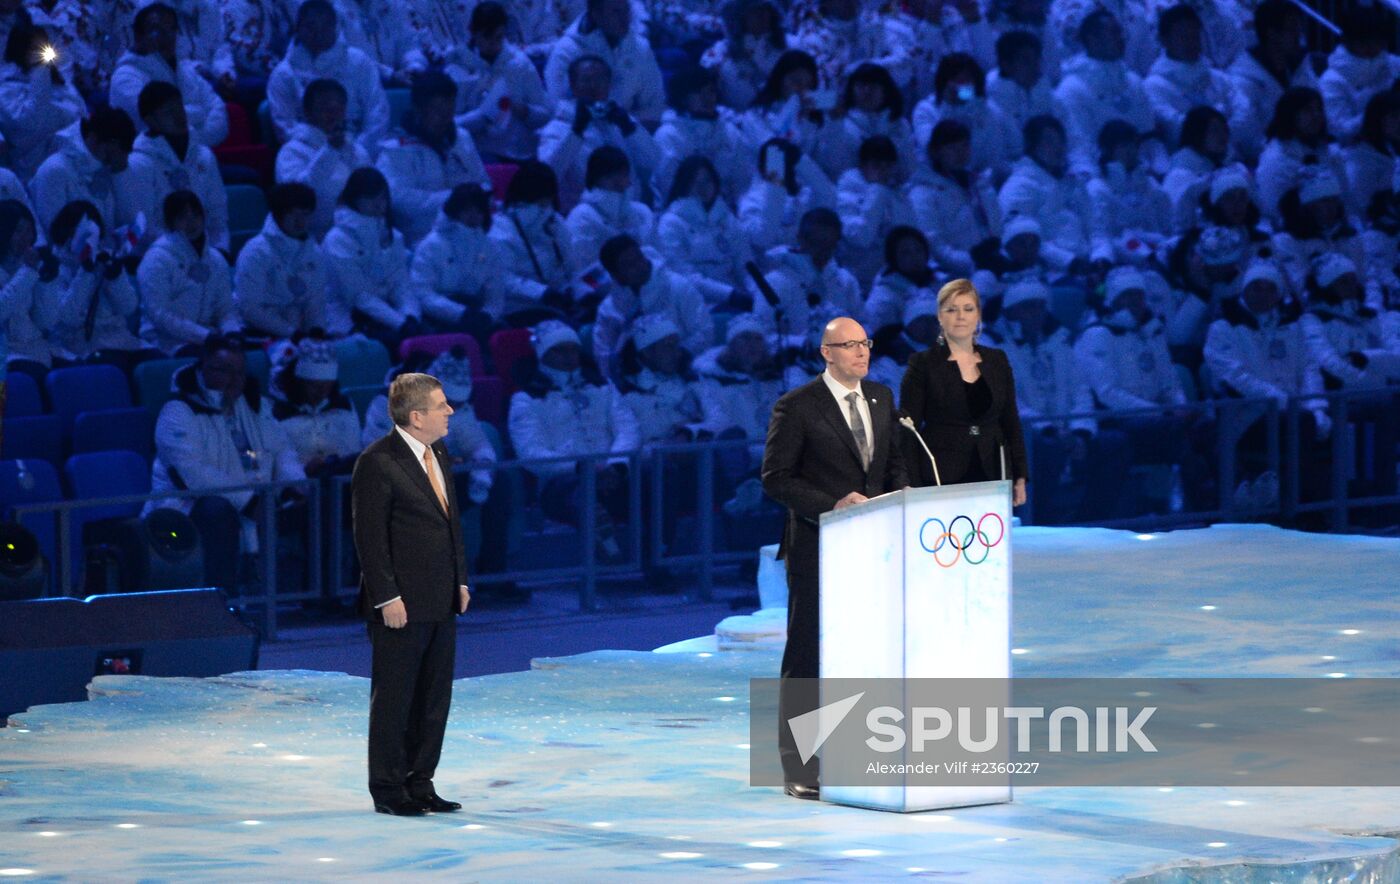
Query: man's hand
{"type": "Point", "coordinates": [851, 499]}
{"type": "Point", "coordinates": [464, 598]}
{"type": "Point", "coordinates": [395, 614]}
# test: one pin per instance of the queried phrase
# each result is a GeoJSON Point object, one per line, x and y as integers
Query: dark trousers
{"type": "Point", "coordinates": [410, 695]}
{"type": "Point", "coordinates": [797, 692]}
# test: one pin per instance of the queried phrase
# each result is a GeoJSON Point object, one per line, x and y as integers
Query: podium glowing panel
{"type": "Point", "coordinates": [917, 584]}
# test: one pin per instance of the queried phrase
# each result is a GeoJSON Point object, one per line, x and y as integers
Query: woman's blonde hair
{"type": "Point", "coordinates": [955, 287]}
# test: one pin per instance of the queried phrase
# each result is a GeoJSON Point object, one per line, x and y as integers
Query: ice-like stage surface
{"type": "Point", "coordinates": [633, 766]}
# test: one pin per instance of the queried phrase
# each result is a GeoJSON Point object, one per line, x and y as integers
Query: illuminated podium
{"type": "Point", "coordinates": [916, 584]}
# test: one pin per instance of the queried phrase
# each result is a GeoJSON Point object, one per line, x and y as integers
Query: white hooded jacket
{"type": "Point", "coordinates": [280, 283]}
{"type": "Point", "coordinates": [367, 111]}
{"type": "Point", "coordinates": [155, 172]}
{"type": "Point", "coordinates": [185, 295]}
{"type": "Point", "coordinates": [457, 265]}
{"type": "Point", "coordinates": [207, 113]}
{"type": "Point", "coordinates": [309, 158]}
{"type": "Point", "coordinates": [420, 178]}
{"type": "Point", "coordinates": [369, 275]}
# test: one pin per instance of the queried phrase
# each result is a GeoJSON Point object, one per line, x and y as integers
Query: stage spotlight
{"type": "Point", "coordinates": [23, 571]}
{"type": "Point", "coordinates": [159, 551]}
{"type": "Point", "coordinates": [176, 557]}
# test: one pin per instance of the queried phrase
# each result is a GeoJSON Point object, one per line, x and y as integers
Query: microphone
{"type": "Point", "coordinates": [907, 423]}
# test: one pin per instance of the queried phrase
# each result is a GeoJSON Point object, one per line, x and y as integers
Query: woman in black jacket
{"type": "Point", "coordinates": [962, 398]}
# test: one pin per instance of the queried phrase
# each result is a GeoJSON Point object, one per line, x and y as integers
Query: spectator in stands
{"type": "Point", "coordinates": [500, 96]}
{"type": "Point", "coordinates": [1360, 68]}
{"type": "Point", "coordinates": [753, 41]}
{"type": "Point", "coordinates": [587, 122]}
{"type": "Point", "coordinates": [1098, 86]}
{"type": "Point", "coordinates": [605, 30]}
{"type": "Point", "coordinates": [789, 107]}
{"type": "Point", "coordinates": [318, 153]}
{"type": "Point", "coordinates": [437, 31]}
{"type": "Point", "coordinates": [1018, 87]}
{"type": "Point", "coordinates": [1139, 49]}
{"type": "Point", "coordinates": [1181, 78]}
{"type": "Point", "coordinates": [1315, 224]}
{"type": "Point", "coordinates": [1205, 147]}
{"type": "Point", "coordinates": [1202, 270]}
{"type": "Point", "coordinates": [913, 330]}
{"type": "Point", "coordinates": [1258, 350]}
{"type": "Point", "coordinates": [36, 102]}
{"type": "Point", "coordinates": [872, 105]}
{"type": "Point", "coordinates": [1298, 138]}
{"type": "Point", "coordinates": [1353, 345]}
{"type": "Point", "coordinates": [1130, 216]}
{"type": "Point", "coordinates": [370, 266]}
{"type": "Point", "coordinates": [607, 208]}
{"type": "Point", "coordinates": [841, 34]}
{"type": "Point", "coordinates": [1030, 16]}
{"type": "Point", "coordinates": [85, 160]}
{"type": "Point", "coordinates": [656, 383]}
{"type": "Point", "coordinates": [562, 389]}
{"type": "Point", "coordinates": [30, 293]}
{"type": "Point", "coordinates": [1125, 357]}
{"type": "Point", "coordinates": [1229, 202]}
{"type": "Point", "coordinates": [203, 38]}
{"type": "Point", "coordinates": [540, 263]}
{"type": "Point", "coordinates": [956, 208]}
{"type": "Point", "coordinates": [699, 236]}
{"type": "Point", "coordinates": [458, 269]}
{"type": "Point", "coordinates": [871, 203]}
{"type": "Point", "coordinates": [787, 186]}
{"type": "Point", "coordinates": [153, 58]}
{"type": "Point", "coordinates": [320, 423]}
{"type": "Point", "coordinates": [99, 307]}
{"type": "Point", "coordinates": [960, 93]}
{"type": "Point", "coordinates": [185, 283]}
{"type": "Point", "coordinates": [938, 29]}
{"type": "Point", "coordinates": [280, 278]}
{"type": "Point", "coordinates": [906, 277]}
{"type": "Point", "coordinates": [1373, 163]}
{"type": "Point", "coordinates": [1276, 63]}
{"type": "Point", "coordinates": [694, 125]}
{"type": "Point", "coordinates": [318, 51]}
{"type": "Point", "coordinates": [1041, 187]}
{"type": "Point", "coordinates": [1020, 256]}
{"type": "Point", "coordinates": [811, 287]}
{"type": "Point", "coordinates": [167, 158]}
{"type": "Point", "coordinates": [640, 288]}
{"type": "Point", "coordinates": [428, 156]}
{"type": "Point", "coordinates": [258, 33]}
{"type": "Point", "coordinates": [218, 431]}
{"type": "Point", "coordinates": [1049, 382]}
{"type": "Point", "coordinates": [381, 30]}
{"type": "Point", "coordinates": [746, 381]}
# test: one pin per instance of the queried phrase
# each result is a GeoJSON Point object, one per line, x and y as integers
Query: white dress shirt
{"type": "Point", "coordinates": [840, 391]}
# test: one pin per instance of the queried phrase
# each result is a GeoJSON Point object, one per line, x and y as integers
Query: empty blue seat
{"type": "Point", "coordinates": [115, 429]}
{"type": "Point", "coordinates": [22, 398]}
{"type": "Point", "coordinates": [99, 474]}
{"type": "Point", "coordinates": [86, 388]}
{"type": "Point", "coordinates": [32, 481]}
{"type": "Point", "coordinates": [38, 437]}
{"type": "Point", "coordinates": [153, 381]}
{"type": "Point", "coordinates": [363, 362]}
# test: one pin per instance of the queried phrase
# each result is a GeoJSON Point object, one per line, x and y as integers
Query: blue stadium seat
{"type": "Point", "coordinates": [86, 388]}
{"type": "Point", "coordinates": [247, 210]}
{"type": "Point", "coordinates": [100, 474]}
{"type": "Point", "coordinates": [362, 362]}
{"type": "Point", "coordinates": [22, 398]}
{"type": "Point", "coordinates": [115, 429]}
{"type": "Point", "coordinates": [398, 105]}
{"type": "Point", "coordinates": [32, 481]}
{"type": "Point", "coordinates": [39, 437]}
{"type": "Point", "coordinates": [153, 381]}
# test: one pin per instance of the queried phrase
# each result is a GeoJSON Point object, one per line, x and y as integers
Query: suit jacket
{"type": "Point", "coordinates": [933, 394]}
{"type": "Point", "coordinates": [810, 461]}
{"type": "Point", "coordinates": [407, 545]}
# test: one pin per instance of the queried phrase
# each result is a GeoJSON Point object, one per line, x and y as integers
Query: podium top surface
{"type": "Point", "coordinates": [907, 496]}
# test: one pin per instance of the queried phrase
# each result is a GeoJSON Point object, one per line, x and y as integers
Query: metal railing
{"type": "Point", "coordinates": [672, 523]}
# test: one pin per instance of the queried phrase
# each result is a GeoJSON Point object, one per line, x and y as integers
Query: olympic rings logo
{"type": "Point", "coordinates": [961, 541]}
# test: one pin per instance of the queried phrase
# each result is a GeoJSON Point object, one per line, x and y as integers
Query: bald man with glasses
{"type": "Point", "coordinates": [831, 444]}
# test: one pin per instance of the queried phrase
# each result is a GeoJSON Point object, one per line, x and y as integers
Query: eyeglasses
{"type": "Point", "coordinates": [852, 345]}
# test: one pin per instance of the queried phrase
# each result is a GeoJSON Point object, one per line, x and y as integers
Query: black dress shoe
{"type": "Point", "coordinates": [803, 791]}
{"type": "Point", "coordinates": [435, 803]}
{"type": "Point", "coordinates": [402, 807]}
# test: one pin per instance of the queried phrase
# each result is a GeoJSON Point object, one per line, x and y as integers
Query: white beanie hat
{"type": "Point", "coordinates": [1320, 185]}
{"type": "Point", "coordinates": [1332, 267]}
{"type": "Point", "coordinates": [1123, 279]}
{"type": "Point", "coordinates": [453, 369]}
{"type": "Point", "coordinates": [1019, 225]}
{"type": "Point", "coordinates": [1262, 270]}
{"type": "Point", "coordinates": [1023, 291]}
{"type": "Point", "coordinates": [920, 306]}
{"type": "Point", "coordinates": [1229, 178]}
{"type": "Point", "coordinates": [652, 327]}
{"type": "Point", "coordinates": [316, 361]}
{"type": "Point", "coordinates": [744, 323]}
{"type": "Point", "coordinates": [550, 334]}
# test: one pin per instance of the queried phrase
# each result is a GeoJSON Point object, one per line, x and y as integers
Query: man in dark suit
{"type": "Point", "coordinates": [830, 445]}
{"type": "Point", "coordinates": [413, 582]}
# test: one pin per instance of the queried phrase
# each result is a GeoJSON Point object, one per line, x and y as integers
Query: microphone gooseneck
{"type": "Point", "coordinates": [907, 423]}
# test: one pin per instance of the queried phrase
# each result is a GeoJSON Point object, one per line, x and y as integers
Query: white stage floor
{"type": "Point", "coordinates": [634, 766]}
